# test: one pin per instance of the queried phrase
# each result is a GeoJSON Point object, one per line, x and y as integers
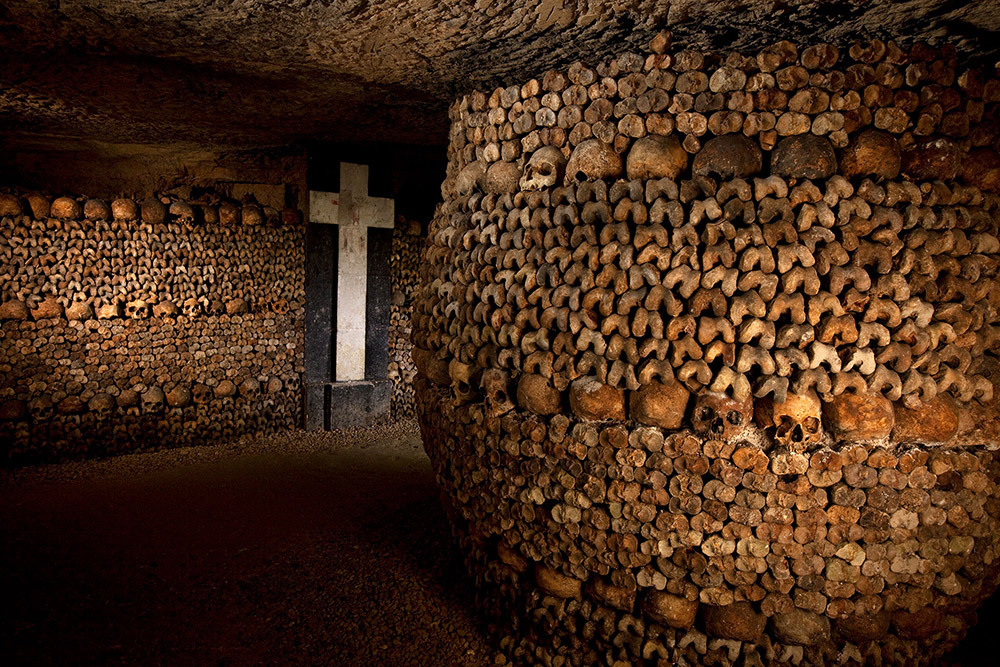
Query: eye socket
{"type": "Point", "coordinates": [705, 413]}
{"type": "Point", "coordinates": [734, 418]}
{"type": "Point", "coordinates": [810, 424]}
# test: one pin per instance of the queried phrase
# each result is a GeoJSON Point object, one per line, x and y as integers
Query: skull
{"type": "Point", "coordinates": [804, 156]}
{"type": "Point", "coordinates": [251, 215]}
{"type": "Point", "coordinates": [165, 308]}
{"type": "Point", "coordinates": [496, 385]}
{"type": "Point", "coordinates": [225, 389]}
{"type": "Point", "coordinates": [720, 416]}
{"type": "Point", "coordinates": [502, 177]}
{"type": "Point", "coordinates": [124, 209]}
{"type": "Point", "coordinates": [109, 311]}
{"type": "Point", "coordinates": [593, 160]}
{"type": "Point", "coordinates": [471, 178]}
{"type": "Point", "coordinates": [229, 213]}
{"type": "Point", "coordinates": [201, 394]}
{"type": "Point", "coordinates": [462, 383]}
{"type": "Point", "coordinates": [545, 169]}
{"type": "Point", "coordinates": [798, 421]}
{"type": "Point", "coordinates": [41, 408]}
{"type": "Point", "coordinates": [654, 157]}
{"type": "Point", "coordinates": [153, 400]}
{"type": "Point", "coordinates": [182, 211]}
{"type": "Point", "coordinates": [137, 310]}
{"type": "Point", "coordinates": [236, 307]}
{"type": "Point", "coordinates": [179, 396]}
{"type": "Point", "coordinates": [192, 308]}
{"type": "Point", "coordinates": [249, 387]}
{"type": "Point", "coordinates": [871, 153]}
{"type": "Point", "coordinates": [95, 209]}
{"type": "Point", "coordinates": [66, 208]}
{"type": "Point", "coordinates": [728, 156]}
{"type": "Point", "coordinates": [128, 398]}
{"type": "Point", "coordinates": [102, 405]}
{"type": "Point", "coordinates": [274, 385]}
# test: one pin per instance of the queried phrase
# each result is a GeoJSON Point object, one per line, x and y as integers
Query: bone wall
{"type": "Point", "coordinates": [688, 321]}
{"type": "Point", "coordinates": [140, 324]}
{"type": "Point", "coordinates": [407, 242]}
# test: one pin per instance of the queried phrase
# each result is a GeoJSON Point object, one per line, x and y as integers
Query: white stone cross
{"type": "Point", "coordinates": [354, 212]}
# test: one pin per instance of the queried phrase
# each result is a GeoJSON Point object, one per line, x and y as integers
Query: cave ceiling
{"type": "Point", "coordinates": [258, 73]}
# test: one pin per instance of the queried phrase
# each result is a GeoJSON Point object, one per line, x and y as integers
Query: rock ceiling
{"type": "Point", "coordinates": [252, 73]}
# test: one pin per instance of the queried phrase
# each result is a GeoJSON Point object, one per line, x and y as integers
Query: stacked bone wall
{"type": "Point", "coordinates": [706, 349]}
{"type": "Point", "coordinates": [149, 324]}
{"type": "Point", "coordinates": [407, 244]}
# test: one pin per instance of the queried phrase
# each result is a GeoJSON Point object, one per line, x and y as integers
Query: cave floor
{"type": "Point", "coordinates": [302, 548]}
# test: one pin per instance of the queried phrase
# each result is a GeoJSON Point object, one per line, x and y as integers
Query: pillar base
{"type": "Point", "coordinates": [335, 405]}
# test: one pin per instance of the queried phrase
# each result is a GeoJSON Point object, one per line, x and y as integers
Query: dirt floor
{"type": "Point", "coordinates": [328, 549]}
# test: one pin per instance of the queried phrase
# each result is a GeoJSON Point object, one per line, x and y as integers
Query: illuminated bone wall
{"type": "Point", "coordinates": [706, 350]}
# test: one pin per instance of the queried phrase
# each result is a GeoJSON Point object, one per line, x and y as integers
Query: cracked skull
{"type": "Point", "coordinates": [720, 416]}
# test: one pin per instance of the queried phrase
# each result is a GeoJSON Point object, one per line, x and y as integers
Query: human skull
{"type": "Point", "coordinates": [192, 308]}
{"type": "Point", "coordinates": [654, 157]}
{"type": "Point", "coordinates": [249, 387]}
{"type": "Point", "coordinates": [274, 385]}
{"type": "Point", "coordinates": [229, 213]}
{"type": "Point", "coordinates": [109, 311]}
{"type": "Point", "coordinates": [544, 170]}
{"type": "Point", "coordinates": [182, 211]}
{"type": "Point", "coordinates": [804, 156]}
{"type": "Point", "coordinates": [502, 177]}
{"type": "Point", "coordinates": [720, 416]}
{"type": "Point", "coordinates": [728, 156]}
{"type": "Point", "coordinates": [462, 382]}
{"type": "Point", "coordinates": [123, 210]}
{"type": "Point", "coordinates": [153, 400]}
{"type": "Point", "coordinates": [496, 385]}
{"type": "Point", "coordinates": [798, 421]}
{"type": "Point", "coordinates": [137, 310]}
{"type": "Point", "coordinates": [165, 308]}
{"type": "Point", "coordinates": [471, 178]}
{"type": "Point", "coordinates": [201, 394]}
{"type": "Point", "coordinates": [593, 160]}
{"type": "Point", "coordinates": [41, 408]}
{"type": "Point", "coordinates": [96, 209]}
{"type": "Point", "coordinates": [102, 405]}
{"type": "Point", "coordinates": [179, 396]}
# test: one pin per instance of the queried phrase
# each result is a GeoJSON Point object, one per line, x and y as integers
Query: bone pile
{"type": "Point", "coordinates": [405, 270]}
{"type": "Point", "coordinates": [135, 325]}
{"type": "Point", "coordinates": [706, 351]}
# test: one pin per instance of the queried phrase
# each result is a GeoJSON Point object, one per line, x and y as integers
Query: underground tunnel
{"type": "Point", "coordinates": [517, 333]}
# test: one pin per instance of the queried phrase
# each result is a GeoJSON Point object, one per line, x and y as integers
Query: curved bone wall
{"type": "Point", "coordinates": [706, 351]}
{"type": "Point", "coordinates": [144, 324]}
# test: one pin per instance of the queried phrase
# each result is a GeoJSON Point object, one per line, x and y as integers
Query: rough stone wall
{"type": "Point", "coordinates": [407, 244]}
{"type": "Point", "coordinates": [706, 351]}
{"type": "Point", "coordinates": [132, 326]}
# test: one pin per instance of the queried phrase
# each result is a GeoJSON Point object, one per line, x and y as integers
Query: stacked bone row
{"type": "Point", "coordinates": [80, 262]}
{"type": "Point", "coordinates": [127, 334]}
{"type": "Point", "coordinates": [603, 542]}
{"type": "Point", "coordinates": [621, 257]}
{"type": "Point", "coordinates": [405, 275]}
{"type": "Point", "coordinates": [782, 265]}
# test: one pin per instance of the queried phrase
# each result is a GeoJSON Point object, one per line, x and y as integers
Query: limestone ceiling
{"type": "Point", "coordinates": [246, 73]}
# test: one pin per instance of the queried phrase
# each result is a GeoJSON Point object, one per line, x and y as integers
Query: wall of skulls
{"type": "Point", "coordinates": [140, 324]}
{"type": "Point", "coordinates": [407, 242]}
{"type": "Point", "coordinates": [754, 297]}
